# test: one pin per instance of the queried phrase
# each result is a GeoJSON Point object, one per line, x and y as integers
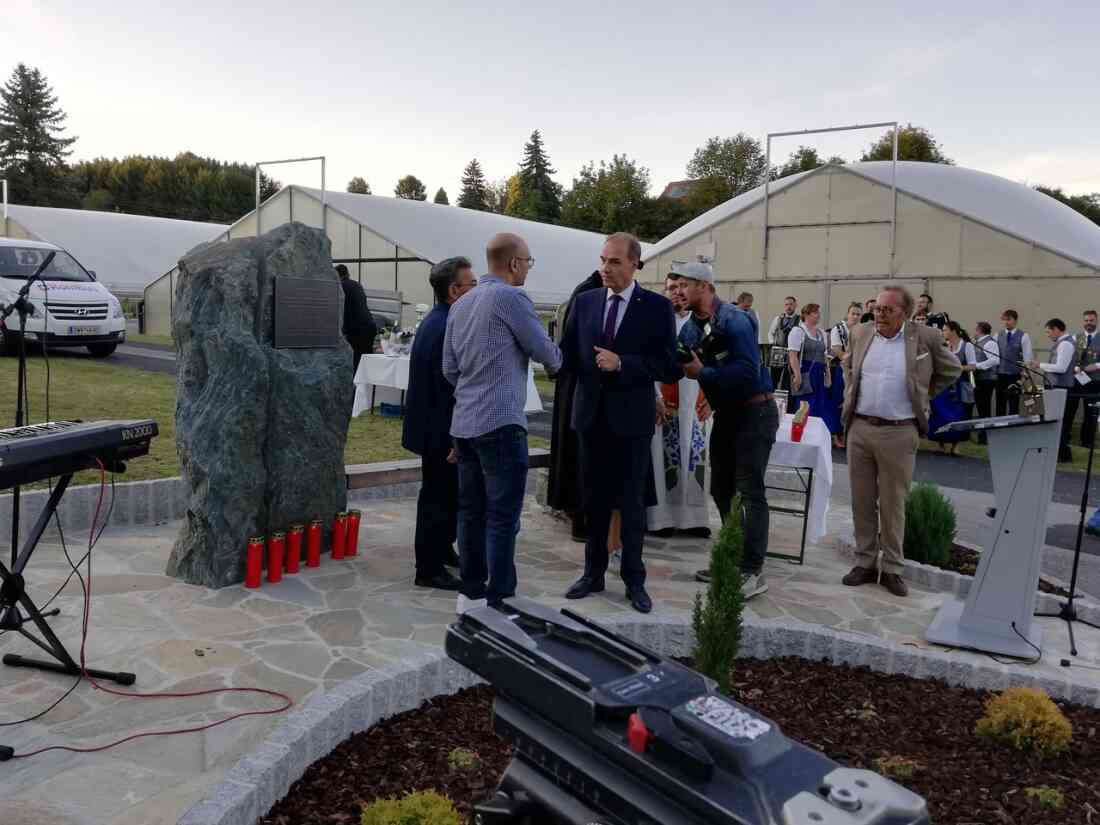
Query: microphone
{"type": "Point", "coordinates": [21, 303]}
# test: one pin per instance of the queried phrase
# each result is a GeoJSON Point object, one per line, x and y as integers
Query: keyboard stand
{"type": "Point", "coordinates": [13, 594]}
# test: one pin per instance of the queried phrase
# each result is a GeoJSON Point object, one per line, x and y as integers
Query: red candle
{"type": "Point", "coordinates": [339, 535]}
{"type": "Point", "coordinates": [351, 544]}
{"type": "Point", "coordinates": [313, 544]}
{"type": "Point", "coordinates": [254, 561]}
{"type": "Point", "coordinates": [294, 547]}
{"type": "Point", "coordinates": [275, 547]}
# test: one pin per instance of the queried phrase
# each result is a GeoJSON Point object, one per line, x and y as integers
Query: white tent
{"type": "Point", "coordinates": [125, 251]}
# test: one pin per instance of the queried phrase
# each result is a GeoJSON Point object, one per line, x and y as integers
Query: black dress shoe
{"type": "Point", "coordinates": [639, 599]}
{"type": "Point", "coordinates": [696, 532]}
{"type": "Point", "coordinates": [440, 581]}
{"type": "Point", "coordinates": [584, 586]}
{"type": "Point", "coordinates": [664, 532]}
{"type": "Point", "coordinates": [450, 558]}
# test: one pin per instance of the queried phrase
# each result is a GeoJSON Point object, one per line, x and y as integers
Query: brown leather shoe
{"type": "Point", "coordinates": [859, 575]}
{"type": "Point", "coordinates": [895, 584]}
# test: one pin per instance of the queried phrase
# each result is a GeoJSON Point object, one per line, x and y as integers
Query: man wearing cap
{"type": "Point", "coordinates": [725, 359]}
{"type": "Point", "coordinates": [619, 340]}
{"type": "Point", "coordinates": [426, 431]}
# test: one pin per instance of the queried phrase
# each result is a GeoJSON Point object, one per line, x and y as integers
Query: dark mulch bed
{"type": "Point", "coordinates": [853, 715]}
{"type": "Point", "coordinates": [965, 560]}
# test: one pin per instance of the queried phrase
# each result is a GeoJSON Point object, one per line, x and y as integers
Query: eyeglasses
{"type": "Point", "coordinates": [529, 261]}
{"type": "Point", "coordinates": [885, 310]}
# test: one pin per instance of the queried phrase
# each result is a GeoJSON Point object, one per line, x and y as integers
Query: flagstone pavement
{"type": "Point", "coordinates": [309, 633]}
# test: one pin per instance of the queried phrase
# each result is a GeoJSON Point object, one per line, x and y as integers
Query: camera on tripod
{"type": "Point", "coordinates": [607, 732]}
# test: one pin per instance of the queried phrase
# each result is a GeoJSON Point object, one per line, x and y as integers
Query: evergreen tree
{"type": "Point", "coordinates": [32, 146]}
{"type": "Point", "coordinates": [359, 186]}
{"type": "Point", "coordinates": [441, 197]}
{"type": "Point", "coordinates": [474, 194]}
{"type": "Point", "coordinates": [716, 618]}
{"type": "Point", "coordinates": [539, 196]}
{"type": "Point", "coordinates": [411, 188]}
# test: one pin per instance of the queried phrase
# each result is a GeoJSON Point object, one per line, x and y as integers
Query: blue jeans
{"type": "Point", "coordinates": [492, 480]}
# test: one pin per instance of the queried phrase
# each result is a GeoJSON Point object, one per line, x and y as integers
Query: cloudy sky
{"type": "Point", "coordinates": [422, 86]}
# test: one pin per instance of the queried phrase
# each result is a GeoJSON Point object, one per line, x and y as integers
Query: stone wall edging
{"type": "Point", "coordinates": [264, 775]}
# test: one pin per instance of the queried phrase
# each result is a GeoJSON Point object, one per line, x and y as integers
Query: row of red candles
{"type": "Point", "coordinates": [284, 550]}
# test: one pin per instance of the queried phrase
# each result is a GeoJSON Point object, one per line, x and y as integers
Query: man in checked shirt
{"type": "Point", "coordinates": [492, 333]}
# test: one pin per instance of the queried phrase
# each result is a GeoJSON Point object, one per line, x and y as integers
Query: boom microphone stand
{"type": "Point", "coordinates": [1067, 612]}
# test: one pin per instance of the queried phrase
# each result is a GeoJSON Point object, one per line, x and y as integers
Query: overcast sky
{"type": "Point", "coordinates": [422, 86]}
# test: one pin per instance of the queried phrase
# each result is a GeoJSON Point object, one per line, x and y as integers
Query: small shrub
{"type": "Point", "coordinates": [929, 525]}
{"type": "Point", "coordinates": [1027, 720]}
{"type": "Point", "coordinates": [420, 808]}
{"type": "Point", "coordinates": [1047, 797]}
{"type": "Point", "coordinates": [717, 618]}
{"type": "Point", "coordinates": [463, 759]}
{"type": "Point", "coordinates": [897, 767]}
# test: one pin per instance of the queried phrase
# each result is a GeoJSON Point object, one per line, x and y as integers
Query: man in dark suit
{"type": "Point", "coordinates": [619, 341]}
{"type": "Point", "coordinates": [359, 326]}
{"type": "Point", "coordinates": [429, 403]}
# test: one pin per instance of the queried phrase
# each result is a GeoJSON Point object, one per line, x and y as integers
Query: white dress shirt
{"type": "Point", "coordinates": [834, 335]}
{"type": "Point", "coordinates": [625, 295]}
{"type": "Point", "coordinates": [883, 392]}
{"type": "Point", "coordinates": [989, 356]}
{"type": "Point", "coordinates": [1063, 358]}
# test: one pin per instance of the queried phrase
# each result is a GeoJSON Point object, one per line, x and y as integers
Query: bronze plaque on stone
{"type": "Point", "coordinates": [307, 313]}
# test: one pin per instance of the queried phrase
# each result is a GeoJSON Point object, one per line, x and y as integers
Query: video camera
{"type": "Point", "coordinates": [607, 732]}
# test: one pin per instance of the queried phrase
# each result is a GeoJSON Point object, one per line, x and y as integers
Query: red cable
{"type": "Point", "coordinates": [87, 589]}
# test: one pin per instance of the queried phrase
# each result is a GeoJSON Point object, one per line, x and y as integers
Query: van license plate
{"type": "Point", "coordinates": [84, 330]}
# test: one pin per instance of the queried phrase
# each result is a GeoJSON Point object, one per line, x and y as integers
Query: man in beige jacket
{"type": "Point", "coordinates": [893, 370]}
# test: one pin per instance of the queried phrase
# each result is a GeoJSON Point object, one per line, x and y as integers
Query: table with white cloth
{"type": "Point", "coordinates": [385, 378]}
{"type": "Point", "coordinates": [811, 463]}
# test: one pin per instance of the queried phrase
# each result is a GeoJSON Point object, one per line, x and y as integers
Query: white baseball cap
{"type": "Point", "coordinates": [695, 270]}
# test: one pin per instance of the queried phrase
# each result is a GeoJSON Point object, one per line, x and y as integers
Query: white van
{"type": "Point", "coordinates": [71, 308]}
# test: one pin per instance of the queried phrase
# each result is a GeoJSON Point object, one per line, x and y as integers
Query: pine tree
{"type": "Point", "coordinates": [441, 197]}
{"type": "Point", "coordinates": [539, 196]}
{"type": "Point", "coordinates": [32, 147]}
{"type": "Point", "coordinates": [717, 618]}
{"type": "Point", "coordinates": [474, 194]}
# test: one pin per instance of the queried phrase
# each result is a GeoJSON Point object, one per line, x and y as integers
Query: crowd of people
{"type": "Point", "coordinates": [810, 367]}
{"type": "Point", "coordinates": [657, 393]}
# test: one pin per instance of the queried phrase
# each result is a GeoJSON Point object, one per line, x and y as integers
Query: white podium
{"type": "Point", "coordinates": [1023, 454]}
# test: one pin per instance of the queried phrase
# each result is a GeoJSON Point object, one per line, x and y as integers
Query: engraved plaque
{"type": "Point", "coordinates": [307, 313]}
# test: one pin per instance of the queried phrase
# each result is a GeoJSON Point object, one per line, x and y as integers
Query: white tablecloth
{"type": "Point", "coordinates": [389, 377]}
{"type": "Point", "coordinates": [815, 451]}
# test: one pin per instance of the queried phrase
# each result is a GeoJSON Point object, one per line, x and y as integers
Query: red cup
{"type": "Point", "coordinates": [276, 548]}
{"type": "Point", "coordinates": [339, 535]}
{"type": "Point", "coordinates": [294, 547]}
{"type": "Point", "coordinates": [796, 430]}
{"type": "Point", "coordinates": [253, 562]}
{"type": "Point", "coordinates": [351, 543]}
{"type": "Point", "coordinates": [313, 544]}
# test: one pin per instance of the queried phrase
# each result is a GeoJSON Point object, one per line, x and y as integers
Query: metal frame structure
{"type": "Point", "coordinates": [805, 490]}
{"type": "Point", "coordinates": [893, 180]}
{"type": "Point", "coordinates": [324, 214]}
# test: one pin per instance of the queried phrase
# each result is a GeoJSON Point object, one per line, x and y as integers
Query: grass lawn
{"type": "Point", "coordinates": [93, 389]}
{"type": "Point", "coordinates": [135, 338]}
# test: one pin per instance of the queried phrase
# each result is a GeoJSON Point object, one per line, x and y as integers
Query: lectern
{"type": "Point", "coordinates": [997, 614]}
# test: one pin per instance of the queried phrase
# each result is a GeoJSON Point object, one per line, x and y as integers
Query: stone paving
{"type": "Point", "coordinates": [317, 629]}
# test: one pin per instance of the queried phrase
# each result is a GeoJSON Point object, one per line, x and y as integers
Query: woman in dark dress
{"type": "Point", "coordinates": [957, 401]}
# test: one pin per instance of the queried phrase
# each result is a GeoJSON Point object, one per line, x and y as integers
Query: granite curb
{"type": "Point", "coordinates": [263, 776]}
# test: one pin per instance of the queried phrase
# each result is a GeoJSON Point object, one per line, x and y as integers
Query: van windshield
{"type": "Point", "coordinates": [20, 262]}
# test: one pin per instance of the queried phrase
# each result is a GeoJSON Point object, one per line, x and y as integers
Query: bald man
{"type": "Point", "coordinates": [492, 333]}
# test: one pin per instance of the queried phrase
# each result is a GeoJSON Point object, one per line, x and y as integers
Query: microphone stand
{"type": "Point", "coordinates": [1066, 611]}
{"type": "Point", "coordinates": [24, 307]}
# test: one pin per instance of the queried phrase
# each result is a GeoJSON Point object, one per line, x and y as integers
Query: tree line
{"type": "Point", "coordinates": [605, 196]}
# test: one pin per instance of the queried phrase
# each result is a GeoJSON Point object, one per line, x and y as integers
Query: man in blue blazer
{"type": "Point", "coordinates": [618, 342]}
{"type": "Point", "coordinates": [429, 403]}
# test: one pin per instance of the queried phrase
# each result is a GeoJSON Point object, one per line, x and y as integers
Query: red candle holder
{"type": "Point", "coordinates": [294, 547]}
{"type": "Point", "coordinates": [276, 546]}
{"type": "Point", "coordinates": [351, 543]}
{"type": "Point", "coordinates": [253, 562]}
{"type": "Point", "coordinates": [313, 544]}
{"type": "Point", "coordinates": [339, 535]}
